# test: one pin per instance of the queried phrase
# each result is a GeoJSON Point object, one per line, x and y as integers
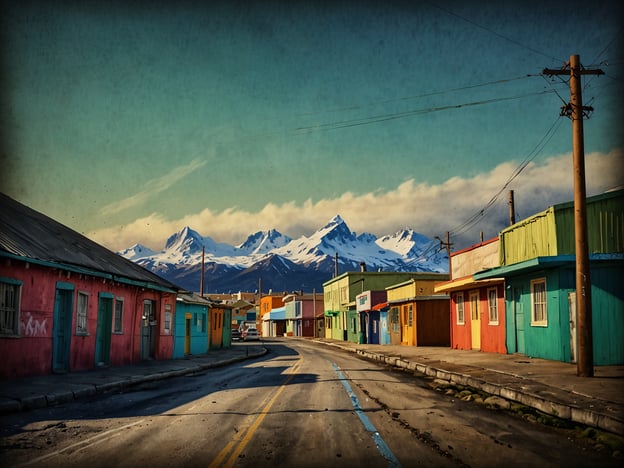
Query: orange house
{"type": "Point", "coordinates": [267, 304]}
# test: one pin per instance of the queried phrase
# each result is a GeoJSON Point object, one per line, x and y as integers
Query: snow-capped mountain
{"type": "Point", "coordinates": [284, 263]}
{"type": "Point", "coordinates": [137, 251]}
{"type": "Point", "coordinates": [188, 244]}
{"type": "Point", "coordinates": [263, 242]}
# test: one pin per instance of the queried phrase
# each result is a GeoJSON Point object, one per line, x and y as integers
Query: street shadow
{"type": "Point", "coordinates": [163, 396]}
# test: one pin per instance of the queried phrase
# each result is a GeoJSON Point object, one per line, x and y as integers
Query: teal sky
{"type": "Point", "coordinates": [128, 122]}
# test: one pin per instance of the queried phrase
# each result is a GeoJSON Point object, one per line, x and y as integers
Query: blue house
{"type": "Point", "coordinates": [191, 325]}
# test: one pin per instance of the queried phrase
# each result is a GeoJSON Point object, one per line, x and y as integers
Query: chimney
{"type": "Point", "coordinates": [362, 266]}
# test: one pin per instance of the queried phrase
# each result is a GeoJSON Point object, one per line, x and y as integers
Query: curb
{"type": "Point", "coordinates": [12, 405]}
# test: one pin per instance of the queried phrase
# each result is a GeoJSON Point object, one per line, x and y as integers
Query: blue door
{"type": "Point", "coordinates": [373, 327]}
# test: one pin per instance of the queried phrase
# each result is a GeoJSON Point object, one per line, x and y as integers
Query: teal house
{"type": "Point", "coordinates": [191, 325]}
{"type": "Point", "coordinates": [537, 261]}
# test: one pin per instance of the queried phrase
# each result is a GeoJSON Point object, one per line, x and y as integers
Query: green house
{"type": "Point", "coordinates": [537, 260]}
{"type": "Point", "coordinates": [341, 317]}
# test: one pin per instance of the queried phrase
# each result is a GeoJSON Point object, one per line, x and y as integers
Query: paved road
{"type": "Point", "coordinates": [303, 404]}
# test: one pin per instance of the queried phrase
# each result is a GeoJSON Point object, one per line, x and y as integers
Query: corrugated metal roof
{"type": "Point", "coordinates": [34, 237]}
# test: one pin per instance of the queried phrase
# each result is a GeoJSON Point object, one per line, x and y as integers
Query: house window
{"type": "Point", "coordinates": [149, 317]}
{"type": "Point", "coordinates": [538, 303]}
{"type": "Point", "coordinates": [118, 316]}
{"type": "Point", "coordinates": [459, 307]}
{"type": "Point", "coordinates": [167, 325]}
{"type": "Point", "coordinates": [82, 309]}
{"type": "Point", "coordinates": [328, 323]}
{"type": "Point", "coordinates": [493, 306]}
{"type": "Point", "coordinates": [394, 319]}
{"type": "Point", "coordinates": [410, 316]}
{"type": "Point", "coordinates": [200, 322]}
{"type": "Point", "coordinates": [9, 307]}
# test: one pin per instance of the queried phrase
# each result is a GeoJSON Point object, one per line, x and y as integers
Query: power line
{"type": "Point", "coordinates": [423, 95]}
{"type": "Point", "coordinates": [472, 220]}
{"type": "Point", "coordinates": [513, 41]}
{"type": "Point", "coordinates": [400, 115]}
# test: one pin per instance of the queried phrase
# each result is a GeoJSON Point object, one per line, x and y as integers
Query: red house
{"type": "Point", "coordinates": [477, 307]}
{"type": "Point", "coordinates": [67, 303]}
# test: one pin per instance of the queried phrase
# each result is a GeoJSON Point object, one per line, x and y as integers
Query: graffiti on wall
{"type": "Point", "coordinates": [30, 326]}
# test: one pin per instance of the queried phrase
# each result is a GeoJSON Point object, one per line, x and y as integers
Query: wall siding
{"type": "Point", "coordinates": [30, 354]}
{"type": "Point", "coordinates": [608, 314]}
{"type": "Point", "coordinates": [605, 224]}
{"type": "Point", "coordinates": [533, 237]}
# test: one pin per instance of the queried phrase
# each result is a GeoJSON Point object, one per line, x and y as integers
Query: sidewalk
{"type": "Point", "coordinates": [549, 386]}
{"type": "Point", "coordinates": [26, 393]}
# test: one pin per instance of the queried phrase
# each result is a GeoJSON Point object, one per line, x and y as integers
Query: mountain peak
{"type": "Point", "coordinates": [336, 220]}
{"type": "Point", "coordinates": [185, 238]}
{"type": "Point", "coordinates": [263, 242]}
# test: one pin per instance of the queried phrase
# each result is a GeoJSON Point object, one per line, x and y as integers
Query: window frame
{"type": "Point", "coordinates": [82, 316]}
{"type": "Point", "coordinates": [460, 308]}
{"type": "Point", "coordinates": [535, 320]}
{"type": "Point", "coordinates": [492, 317]}
{"type": "Point", "coordinates": [13, 309]}
{"type": "Point", "coordinates": [395, 320]}
{"type": "Point", "coordinates": [118, 316]}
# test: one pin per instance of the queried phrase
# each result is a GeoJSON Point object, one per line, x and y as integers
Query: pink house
{"type": "Point", "coordinates": [67, 303]}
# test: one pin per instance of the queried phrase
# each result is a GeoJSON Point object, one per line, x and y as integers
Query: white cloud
{"type": "Point", "coordinates": [429, 209]}
{"type": "Point", "coordinates": [156, 185]}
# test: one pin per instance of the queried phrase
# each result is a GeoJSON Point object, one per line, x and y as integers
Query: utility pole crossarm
{"type": "Point", "coordinates": [563, 71]}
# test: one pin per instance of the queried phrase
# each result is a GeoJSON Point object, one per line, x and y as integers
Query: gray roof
{"type": "Point", "coordinates": [31, 236]}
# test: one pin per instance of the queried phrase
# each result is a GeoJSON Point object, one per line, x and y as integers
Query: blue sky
{"type": "Point", "coordinates": [128, 123]}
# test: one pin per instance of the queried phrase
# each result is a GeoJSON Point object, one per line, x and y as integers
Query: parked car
{"type": "Point", "coordinates": [251, 334]}
{"type": "Point", "coordinates": [236, 334]}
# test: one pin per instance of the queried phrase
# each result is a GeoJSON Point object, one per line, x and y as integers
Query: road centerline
{"type": "Point", "coordinates": [240, 441]}
{"type": "Point", "coordinates": [368, 425]}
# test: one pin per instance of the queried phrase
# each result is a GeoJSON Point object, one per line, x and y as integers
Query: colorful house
{"type": "Point", "coordinates": [369, 316]}
{"type": "Point", "coordinates": [68, 304]}
{"type": "Point", "coordinates": [300, 313]}
{"type": "Point", "coordinates": [267, 304]}
{"type": "Point", "coordinates": [537, 260]}
{"type": "Point", "coordinates": [191, 325]}
{"type": "Point", "coordinates": [423, 317]}
{"type": "Point", "coordinates": [477, 307]}
{"type": "Point", "coordinates": [341, 318]}
{"type": "Point", "coordinates": [220, 321]}
{"type": "Point", "coordinates": [274, 322]}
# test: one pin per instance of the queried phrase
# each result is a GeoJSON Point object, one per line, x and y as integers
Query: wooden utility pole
{"type": "Point", "coordinates": [575, 111]}
{"type": "Point", "coordinates": [512, 209]}
{"type": "Point", "coordinates": [447, 245]}
{"type": "Point", "coordinates": [201, 280]}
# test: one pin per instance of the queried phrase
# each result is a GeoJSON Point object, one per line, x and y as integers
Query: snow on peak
{"type": "Point", "coordinates": [136, 252]}
{"type": "Point", "coordinates": [263, 242]}
{"type": "Point", "coordinates": [407, 242]}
